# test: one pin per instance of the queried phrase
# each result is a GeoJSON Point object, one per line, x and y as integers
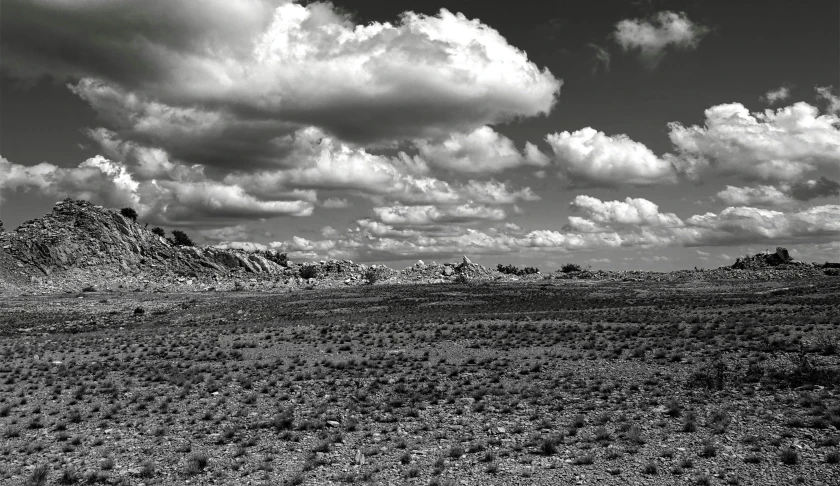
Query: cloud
{"type": "Point", "coordinates": [241, 245]}
{"type": "Point", "coordinates": [775, 95]}
{"type": "Point", "coordinates": [761, 195]}
{"type": "Point", "coordinates": [780, 145]}
{"type": "Point", "coordinates": [833, 101]}
{"type": "Point", "coordinates": [811, 189]}
{"type": "Point", "coordinates": [588, 157]}
{"type": "Point", "coordinates": [481, 151]}
{"type": "Point", "coordinates": [336, 203]}
{"type": "Point", "coordinates": [192, 201]}
{"type": "Point", "coordinates": [428, 215]}
{"type": "Point", "coordinates": [217, 83]}
{"type": "Point", "coordinates": [600, 58]}
{"type": "Point", "coordinates": [784, 195]}
{"type": "Point", "coordinates": [743, 224]}
{"type": "Point", "coordinates": [96, 179]}
{"type": "Point", "coordinates": [631, 211]}
{"type": "Point", "coordinates": [326, 163]}
{"type": "Point", "coordinates": [654, 36]}
{"type": "Point", "coordinates": [227, 233]}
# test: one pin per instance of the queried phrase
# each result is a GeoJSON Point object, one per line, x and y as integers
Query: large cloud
{"type": "Point", "coordinates": [631, 211]}
{"type": "Point", "coordinates": [740, 224]}
{"type": "Point", "coordinates": [653, 36]}
{"type": "Point", "coordinates": [326, 163]}
{"type": "Point", "coordinates": [780, 145]}
{"type": "Point", "coordinates": [97, 179]}
{"type": "Point", "coordinates": [783, 195]}
{"type": "Point", "coordinates": [427, 215]}
{"type": "Point", "coordinates": [192, 201]}
{"type": "Point", "coordinates": [762, 195]}
{"type": "Point", "coordinates": [216, 82]}
{"type": "Point", "coordinates": [481, 151]}
{"type": "Point", "coordinates": [588, 157]}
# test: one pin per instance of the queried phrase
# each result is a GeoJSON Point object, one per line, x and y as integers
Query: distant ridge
{"type": "Point", "coordinates": [81, 246]}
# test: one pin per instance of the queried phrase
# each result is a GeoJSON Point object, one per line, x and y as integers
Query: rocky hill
{"type": "Point", "coordinates": [81, 246]}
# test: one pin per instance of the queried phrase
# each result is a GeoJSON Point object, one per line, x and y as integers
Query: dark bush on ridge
{"type": "Point", "coordinates": [512, 270]}
{"type": "Point", "coordinates": [159, 231]}
{"type": "Point", "coordinates": [570, 267]}
{"type": "Point", "coordinates": [129, 213]}
{"type": "Point", "coordinates": [179, 238]}
{"type": "Point", "coordinates": [308, 271]}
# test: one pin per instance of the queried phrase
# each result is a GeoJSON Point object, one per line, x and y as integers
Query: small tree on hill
{"type": "Point", "coordinates": [129, 213]}
{"type": "Point", "coordinates": [179, 238]}
{"type": "Point", "coordinates": [159, 231]}
{"type": "Point", "coordinates": [308, 271]}
{"type": "Point", "coordinates": [570, 267]}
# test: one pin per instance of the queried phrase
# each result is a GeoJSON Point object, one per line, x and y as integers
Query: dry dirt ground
{"type": "Point", "coordinates": [562, 382]}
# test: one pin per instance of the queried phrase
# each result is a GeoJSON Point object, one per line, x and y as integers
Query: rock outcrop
{"type": "Point", "coordinates": [764, 260]}
{"type": "Point", "coordinates": [83, 246]}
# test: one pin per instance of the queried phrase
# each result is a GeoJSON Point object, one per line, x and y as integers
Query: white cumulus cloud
{"type": "Point", "coordinates": [591, 158]}
{"type": "Point", "coordinates": [780, 145]}
{"type": "Point", "coordinates": [653, 36]}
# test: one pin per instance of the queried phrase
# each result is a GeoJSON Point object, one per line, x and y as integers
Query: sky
{"type": "Point", "coordinates": [619, 135]}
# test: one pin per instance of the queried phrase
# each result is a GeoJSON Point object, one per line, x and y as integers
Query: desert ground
{"type": "Point", "coordinates": [555, 382]}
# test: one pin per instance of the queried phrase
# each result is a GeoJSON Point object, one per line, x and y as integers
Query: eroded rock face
{"type": "Point", "coordinates": [81, 245]}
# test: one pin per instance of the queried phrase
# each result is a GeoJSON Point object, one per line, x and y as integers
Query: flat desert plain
{"type": "Point", "coordinates": [556, 382]}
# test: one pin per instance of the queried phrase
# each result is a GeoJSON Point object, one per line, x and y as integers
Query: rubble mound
{"type": "Point", "coordinates": [467, 270]}
{"type": "Point", "coordinates": [764, 260]}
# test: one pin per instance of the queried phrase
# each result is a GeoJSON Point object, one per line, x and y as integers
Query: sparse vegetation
{"type": "Point", "coordinates": [286, 388]}
{"type": "Point", "coordinates": [159, 231]}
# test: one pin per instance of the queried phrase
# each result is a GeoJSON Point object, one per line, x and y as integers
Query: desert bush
{"type": "Point", "coordinates": [371, 275]}
{"type": "Point", "coordinates": [803, 372]}
{"type": "Point", "coordinates": [570, 267]}
{"type": "Point", "coordinates": [38, 476]}
{"type": "Point", "coordinates": [513, 270]}
{"type": "Point", "coordinates": [789, 456]}
{"type": "Point", "coordinates": [196, 462]}
{"type": "Point", "coordinates": [711, 376]}
{"type": "Point", "coordinates": [308, 271]}
{"type": "Point", "coordinates": [129, 213]}
{"type": "Point", "coordinates": [159, 231]}
{"type": "Point", "coordinates": [179, 238]}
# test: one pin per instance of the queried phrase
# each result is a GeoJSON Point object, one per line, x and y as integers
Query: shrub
{"type": "Point", "coordinates": [38, 476]}
{"type": "Point", "coordinates": [512, 270]}
{"type": "Point", "coordinates": [371, 275]}
{"type": "Point", "coordinates": [129, 213]}
{"type": "Point", "coordinates": [179, 238]}
{"type": "Point", "coordinates": [308, 271]}
{"type": "Point", "coordinates": [196, 463]}
{"type": "Point", "coordinates": [789, 456]}
{"type": "Point", "coordinates": [570, 267]}
{"type": "Point", "coordinates": [159, 231]}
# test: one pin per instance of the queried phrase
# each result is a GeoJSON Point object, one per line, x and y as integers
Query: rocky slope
{"type": "Point", "coordinates": [83, 246]}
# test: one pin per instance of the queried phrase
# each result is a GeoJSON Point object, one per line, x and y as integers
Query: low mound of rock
{"type": "Point", "coordinates": [764, 260]}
